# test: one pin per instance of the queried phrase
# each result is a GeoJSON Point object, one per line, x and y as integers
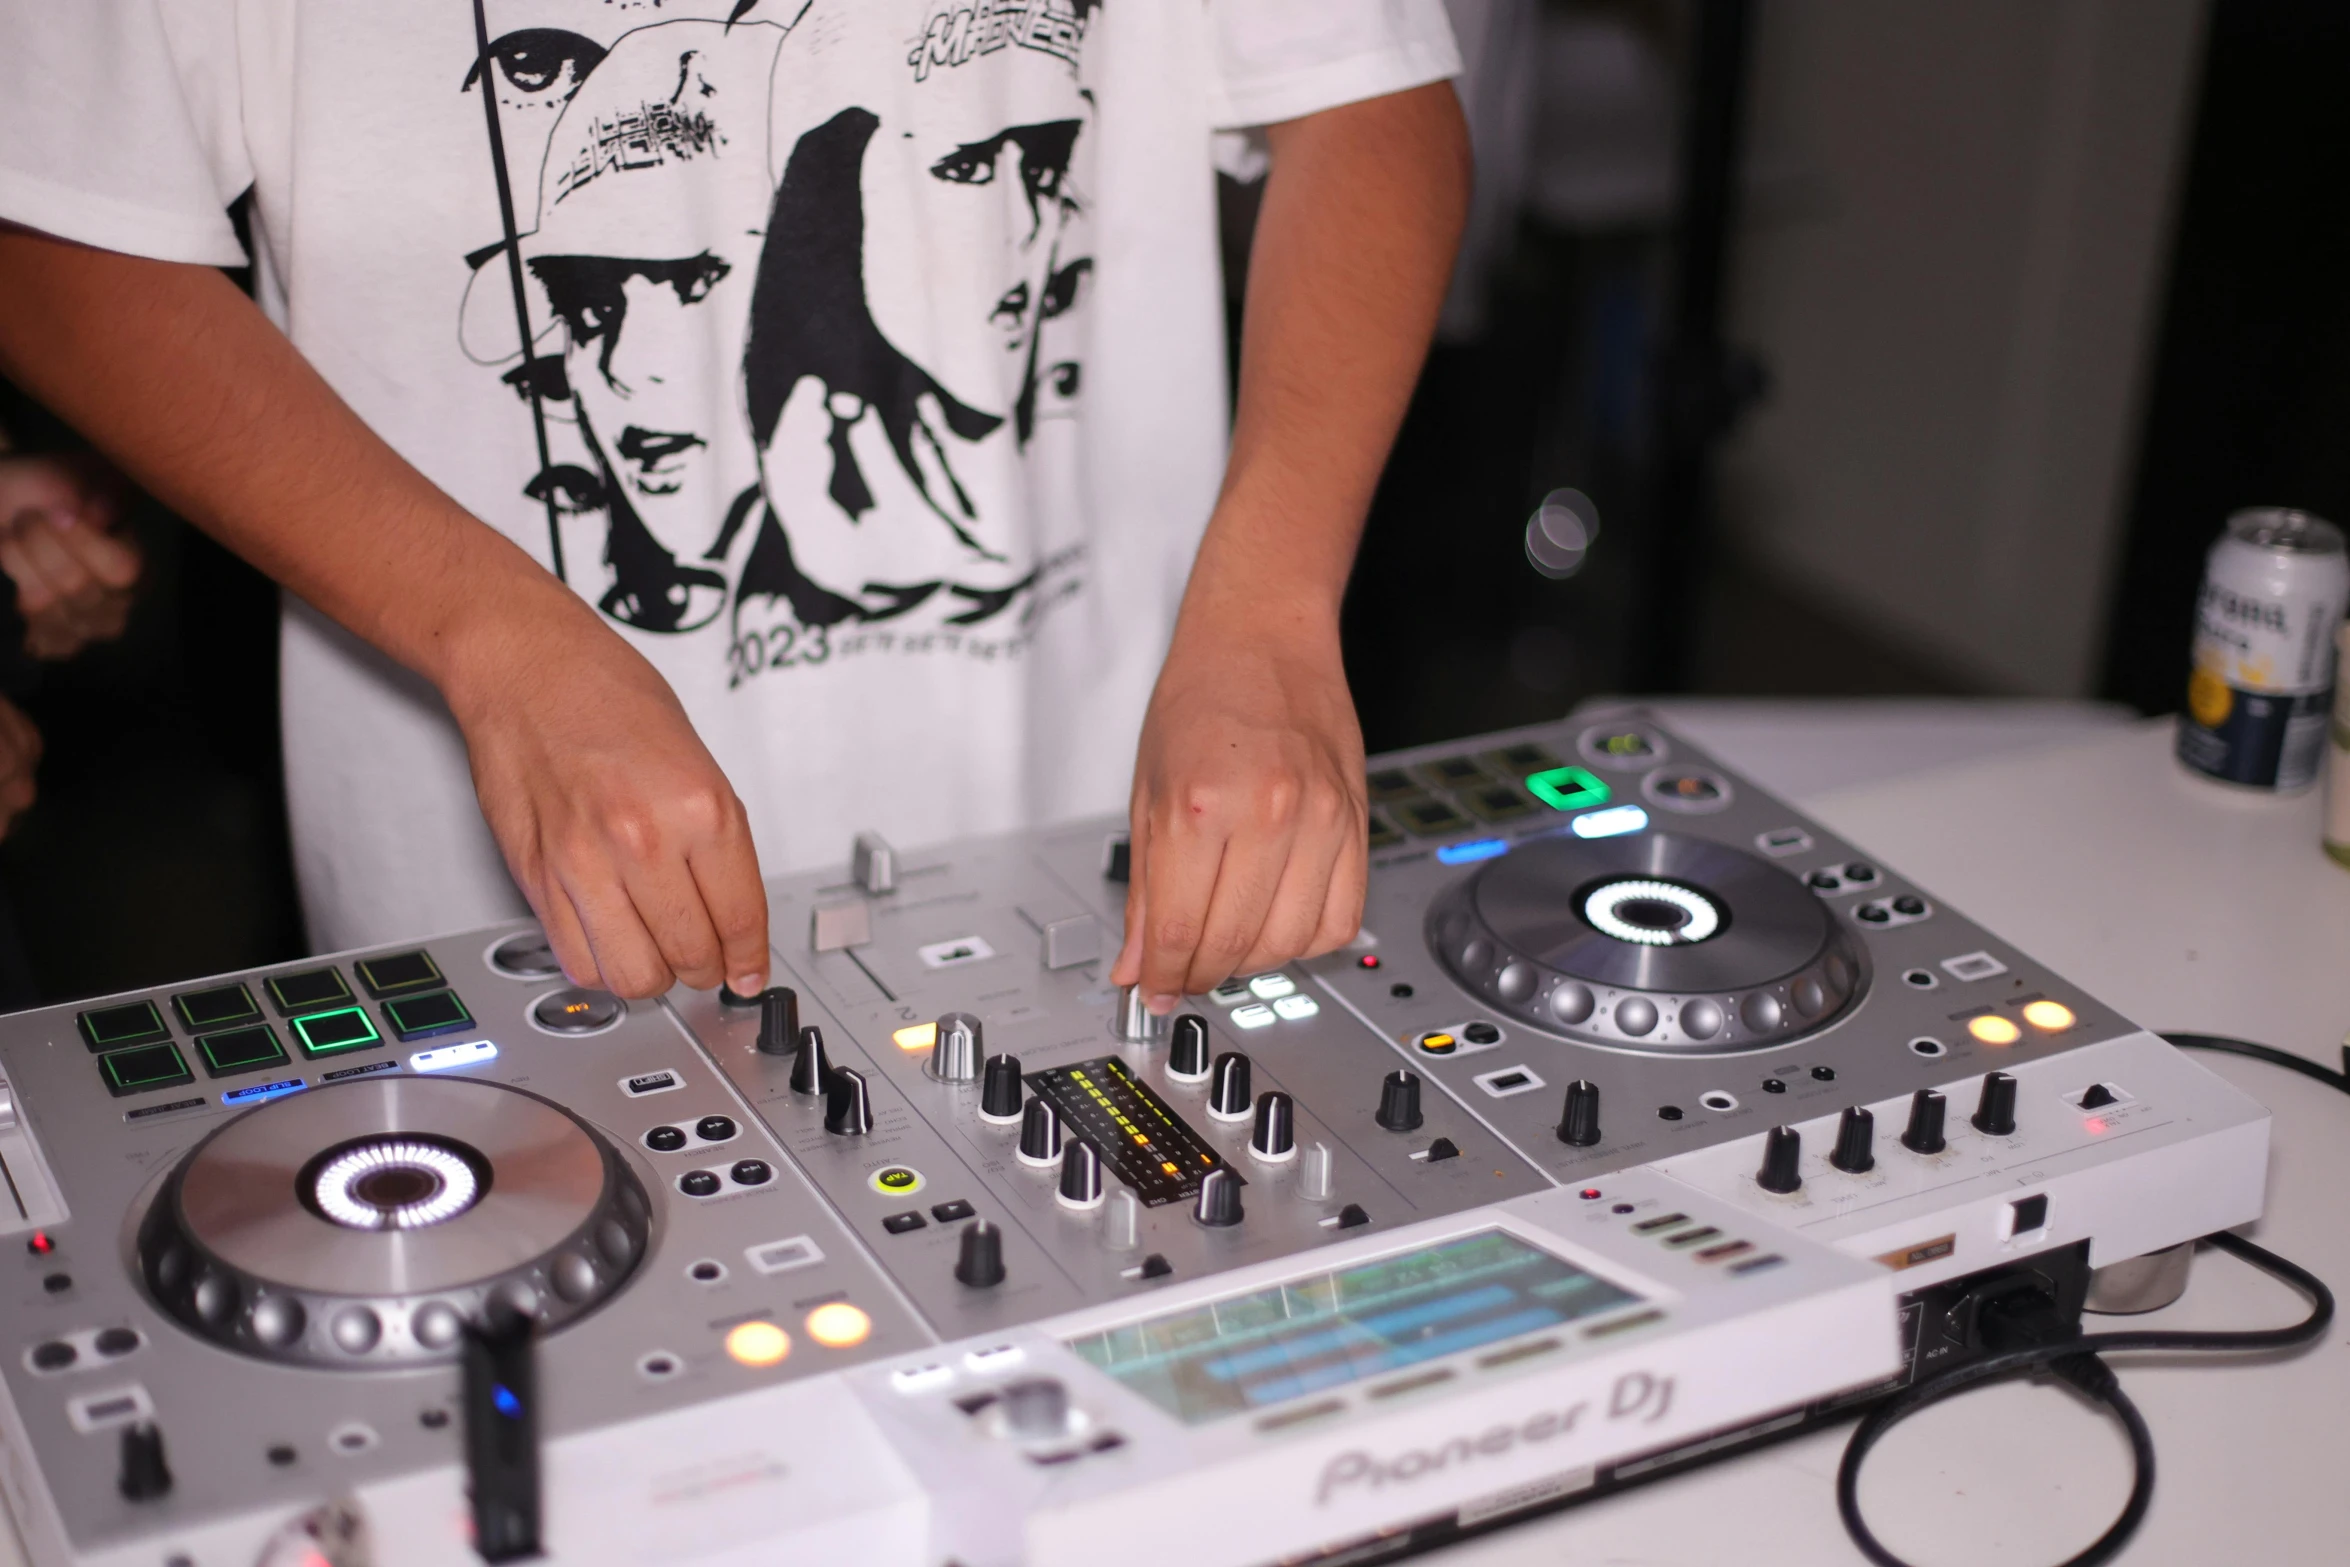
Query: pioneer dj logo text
{"type": "Point", "coordinates": [1637, 1398]}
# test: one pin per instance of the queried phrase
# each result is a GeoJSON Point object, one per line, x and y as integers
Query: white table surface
{"type": "Point", "coordinates": [2188, 906]}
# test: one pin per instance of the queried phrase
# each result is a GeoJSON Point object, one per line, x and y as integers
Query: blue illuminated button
{"type": "Point", "coordinates": [1568, 788]}
{"type": "Point", "coordinates": [503, 1400]}
{"type": "Point", "coordinates": [259, 1092]}
{"type": "Point", "coordinates": [1475, 849]}
{"type": "Point", "coordinates": [442, 1057]}
{"type": "Point", "coordinates": [1611, 823]}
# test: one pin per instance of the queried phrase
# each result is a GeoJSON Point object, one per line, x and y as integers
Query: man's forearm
{"type": "Point", "coordinates": [179, 378]}
{"type": "Point", "coordinates": [1354, 245]}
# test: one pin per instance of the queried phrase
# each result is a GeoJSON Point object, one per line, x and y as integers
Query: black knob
{"type": "Point", "coordinates": [980, 1263]}
{"type": "Point", "coordinates": [779, 1020]}
{"type": "Point", "coordinates": [1187, 1057]}
{"type": "Point", "coordinates": [145, 1475]}
{"type": "Point", "coordinates": [1275, 1134]}
{"type": "Point", "coordinates": [1399, 1101]}
{"type": "Point", "coordinates": [1924, 1132]}
{"type": "Point", "coordinates": [1579, 1122]}
{"type": "Point", "coordinates": [1000, 1093]}
{"type": "Point", "coordinates": [1995, 1110]}
{"type": "Point", "coordinates": [2096, 1096]}
{"type": "Point", "coordinates": [1855, 1134]}
{"type": "Point", "coordinates": [1081, 1174]}
{"type": "Point", "coordinates": [1040, 1134]}
{"type": "Point", "coordinates": [847, 1111]}
{"type": "Point", "coordinates": [809, 1069]}
{"type": "Point", "coordinates": [1229, 1095]}
{"type": "Point", "coordinates": [1781, 1161]}
{"type": "Point", "coordinates": [1219, 1200]}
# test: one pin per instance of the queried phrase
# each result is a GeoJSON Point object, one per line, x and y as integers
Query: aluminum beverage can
{"type": "Point", "coordinates": [2260, 696]}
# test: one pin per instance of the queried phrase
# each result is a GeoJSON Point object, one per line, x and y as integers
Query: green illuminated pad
{"type": "Point", "coordinates": [240, 1050]}
{"type": "Point", "coordinates": [330, 1033]}
{"type": "Point", "coordinates": [222, 1007]}
{"type": "Point", "coordinates": [420, 1017]}
{"type": "Point", "coordinates": [111, 1028]}
{"type": "Point", "coordinates": [308, 991]}
{"type": "Point", "coordinates": [399, 973]}
{"type": "Point", "coordinates": [1567, 788]}
{"type": "Point", "coordinates": [149, 1066]}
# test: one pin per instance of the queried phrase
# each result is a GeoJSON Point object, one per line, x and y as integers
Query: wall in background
{"type": "Point", "coordinates": [1951, 264]}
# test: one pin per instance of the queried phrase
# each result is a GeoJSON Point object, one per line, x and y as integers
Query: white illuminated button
{"type": "Point", "coordinates": [1613, 822]}
{"type": "Point", "coordinates": [921, 1379]}
{"type": "Point", "coordinates": [1252, 1016]}
{"type": "Point", "coordinates": [1270, 987]}
{"type": "Point", "coordinates": [1295, 1007]}
{"type": "Point", "coordinates": [443, 1057]}
{"type": "Point", "coordinates": [999, 1357]}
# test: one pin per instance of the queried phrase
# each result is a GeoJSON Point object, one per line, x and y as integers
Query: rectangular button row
{"type": "Point", "coordinates": [257, 1048]}
{"type": "Point", "coordinates": [227, 1006]}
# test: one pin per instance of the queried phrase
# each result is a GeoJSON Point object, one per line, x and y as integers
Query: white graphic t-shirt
{"type": "Point", "coordinates": [860, 360]}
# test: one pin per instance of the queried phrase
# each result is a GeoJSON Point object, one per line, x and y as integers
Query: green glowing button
{"type": "Point", "coordinates": [329, 1033]}
{"type": "Point", "coordinates": [136, 1071]}
{"type": "Point", "coordinates": [217, 1008]}
{"type": "Point", "coordinates": [111, 1028]}
{"type": "Point", "coordinates": [240, 1050]}
{"type": "Point", "coordinates": [1567, 788]}
{"type": "Point", "coordinates": [421, 1017]}
{"type": "Point", "coordinates": [308, 991]}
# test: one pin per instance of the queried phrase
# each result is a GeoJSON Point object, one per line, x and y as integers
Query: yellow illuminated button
{"type": "Point", "coordinates": [1994, 1030]}
{"type": "Point", "coordinates": [1438, 1044]}
{"type": "Point", "coordinates": [758, 1343]}
{"type": "Point", "coordinates": [916, 1036]}
{"type": "Point", "coordinates": [2049, 1015]}
{"type": "Point", "coordinates": [839, 1325]}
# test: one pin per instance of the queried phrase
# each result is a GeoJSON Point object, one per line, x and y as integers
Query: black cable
{"type": "Point", "coordinates": [2075, 1359]}
{"type": "Point", "coordinates": [2274, 1057]}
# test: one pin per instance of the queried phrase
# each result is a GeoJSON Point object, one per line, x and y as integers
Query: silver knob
{"type": "Point", "coordinates": [955, 1054]}
{"type": "Point", "coordinates": [1122, 1224]}
{"type": "Point", "coordinates": [1136, 1023]}
{"type": "Point", "coordinates": [1313, 1173]}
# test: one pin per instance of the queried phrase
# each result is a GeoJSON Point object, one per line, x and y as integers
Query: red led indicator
{"type": "Point", "coordinates": [2095, 1125]}
{"type": "Point", "coordinates": [1590, 1194]}
{"type": "Point", "coordinates": [1367, 960]}
{"type": "Point", "coordinates": [40, 1245]}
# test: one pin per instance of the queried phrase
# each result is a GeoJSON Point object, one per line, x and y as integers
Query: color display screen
{"type": "Point", "coordinates": [1252, 1351]}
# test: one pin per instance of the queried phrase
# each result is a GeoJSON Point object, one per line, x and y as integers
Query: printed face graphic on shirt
{"type": "Point", "coordinates": [801, 301]}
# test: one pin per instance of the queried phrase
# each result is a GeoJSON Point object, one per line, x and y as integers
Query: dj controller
{"type": "Point", "coordinates": [1644, 1121]}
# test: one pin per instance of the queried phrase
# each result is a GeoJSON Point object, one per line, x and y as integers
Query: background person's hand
{"type": "Point", "coordinates": [614, 819]}
{"type": "Point", "coordinates": [74, 575]}
{"type": "Point", "coordinates": [20, 754]}
{"type": "Point", "coordinates": [1248, 815]}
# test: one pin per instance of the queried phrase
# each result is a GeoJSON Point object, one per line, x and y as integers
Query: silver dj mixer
{"type": "Point", "coordinates": [885, 1399]}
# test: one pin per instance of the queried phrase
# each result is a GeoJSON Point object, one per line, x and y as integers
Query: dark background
{"type": "Point", "coordinates": [157, 850]}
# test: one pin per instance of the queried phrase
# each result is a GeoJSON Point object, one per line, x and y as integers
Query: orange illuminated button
{"type": "Point", "coordinates": [916, 1036]}
{"type": "Point", "coordinates": [839, 1325]}
{"type": "Point", "coordinates": [2048, 1015]}
{"type": "Point", "coordinates": [758, 1343]}
{"type": "Point", "coordinates": [1439, 1044]}
{"type": "Point", "coordinates": [1994, 1030]}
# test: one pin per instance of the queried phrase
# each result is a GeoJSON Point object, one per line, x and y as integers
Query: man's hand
{"type": "Point", "coordinates": [20, 754]}
{"type": "Point", "coordinates": [73, 575]}
{"type": "Point", "coordinates": [1248, 817]}
{"type": "Point", "coordinates": [1248, 814]}
{"type": "Point", "coordinates": [620, 828]}
{"type": "Point", "coordinates": [617, 823]}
